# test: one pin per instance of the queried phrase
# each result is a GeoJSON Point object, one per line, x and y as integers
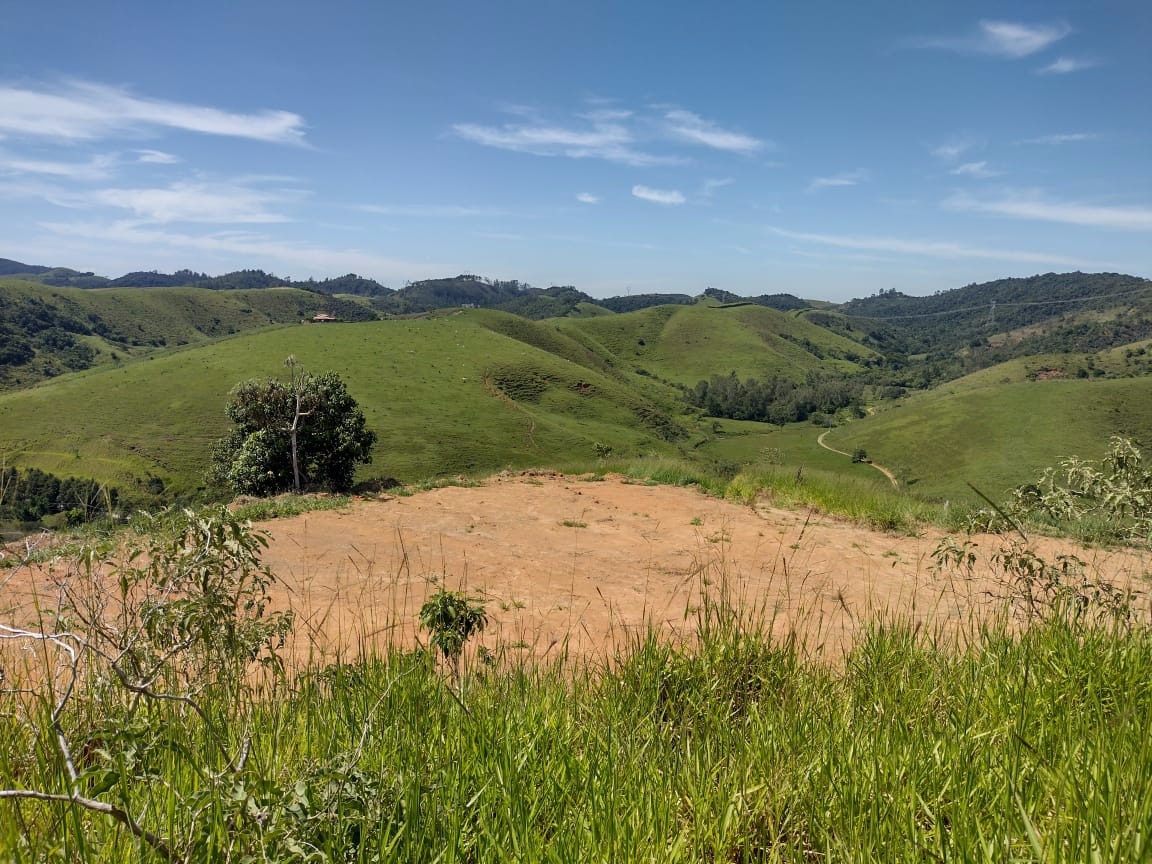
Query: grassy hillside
{"type": "Point", "coordinates": [762, 445]}
{"type": "Point", "coordinates": [46, 325]}
{"type": "Point", "coordinates": [445, 394]}
{"type": "Point", "coordinates": [998, 429]}
{"type": "Point", "coordinates": [686, 344]}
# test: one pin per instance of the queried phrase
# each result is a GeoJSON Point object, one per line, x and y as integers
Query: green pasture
{"type": "Point", "coordinates": [1000, 435]}
{"type": "Point", "coordinates": [686, 344]}
{"type": "Point", "coordinates": [446, 395]}
{"type": "Point", "coordinates": [137, 321]}
{"type": "Point", "coordinates": [759, 445]}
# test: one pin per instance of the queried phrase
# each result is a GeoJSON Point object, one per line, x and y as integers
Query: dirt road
{"type": "Point", "coordinates": [891, 477]}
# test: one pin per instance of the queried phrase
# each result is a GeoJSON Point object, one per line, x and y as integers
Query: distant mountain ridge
{"type": "Point", "coordinates": [1049, 312]}
{"type": "Point", "coordinates": [64, 277]}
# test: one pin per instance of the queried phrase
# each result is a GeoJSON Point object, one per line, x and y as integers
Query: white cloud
{"type": "Point", "coordinates": [1008, 39]}
{"type": "Point", "coordinates": [606, 115]}
{"type": "Point", "coordinates": [1065, 65]}
{"type": "Point", "coordinates": [710, 186]}
{"type": "Point", "coordinates": [197, 202]}
{"type": "Point", "coordinates": [657, 196]}
{"type": "Point", "coordinates": [845, 178]}
{"type": "Point", "coordinates": [979, 170]}
{"type": "Point", "coordinates": [1066, 138]}
{"type": "Point", "coordinates": [612, 133]}
{"type": "Point", "coordinates": [82, 111]}
{"type": "Point", "coordinates": [604, 140]}
{"type": "Point", "coordinates": [930, 248]}
{"type": "Point", "coordinates": [156, 157]}
{"type": "Point", "coordinates": [952, 150]}
{"type": "Point", "coordinates": [98, 167]}
{"type": "Point", "coordinates": [1031, 206]}
{"type": "Point", "coordinates": [587, 198]}
{"type": "Point", "coordinates": [695, 129]}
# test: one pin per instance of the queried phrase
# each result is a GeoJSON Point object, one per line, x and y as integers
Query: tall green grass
{"type": "Point", "coordinates": [732, 747]}
{"type": "Point", "coordinates": [860, 499]}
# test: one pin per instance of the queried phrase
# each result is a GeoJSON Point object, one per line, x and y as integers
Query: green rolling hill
{"type": "Point", "coordinates": [471, 391]}
{"type": "Point", "coordinates": [140, 377]}
{"type": "Point", "coordinates": [46, 331]}
{"type": "Point", "coordinates": [445, 394]}
{"type": "Point", "coordinates": [686, 344]}
{"type": "Point", "coordinates": [998, 429]}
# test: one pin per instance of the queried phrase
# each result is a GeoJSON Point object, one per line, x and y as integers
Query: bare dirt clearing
{"type": "Point", "coordinates": [579, 565]}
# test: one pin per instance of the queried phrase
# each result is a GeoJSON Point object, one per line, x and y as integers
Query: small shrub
{"type": "Point", "coordinates": [452, 619]}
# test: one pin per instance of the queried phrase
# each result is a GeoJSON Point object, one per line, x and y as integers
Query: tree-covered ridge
{"type": "Point", "coordinates": [40, 337]}
{"type": "Point", "coordinates": [64, 277]}
{"type": "Point", "coordinates": [153, 279]}
{"type": "Point", "coordinates": [950, 319]}
{"type": "Point", "coordinates": [47, 331]}
{"type": "Point", "coordinates": [781, 302]}
{"type": "Point", "coordinates": [8, 267]}
{"type": "Point", "coordinates": [927, 340]}
{"type": "Point", "coordinates": [636, 302]}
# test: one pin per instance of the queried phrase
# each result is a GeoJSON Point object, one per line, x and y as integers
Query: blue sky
{"type": "Point", "coordinates": [824, 149]}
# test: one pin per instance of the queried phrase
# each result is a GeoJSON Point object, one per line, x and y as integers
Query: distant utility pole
{"type": "Point", "coordinates": [991, 315]}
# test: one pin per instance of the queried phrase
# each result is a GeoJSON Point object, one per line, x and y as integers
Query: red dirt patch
{"type": "Point", "coordinates": [575, 566]}
{"type": "Point", "coordinates": [567, 564]}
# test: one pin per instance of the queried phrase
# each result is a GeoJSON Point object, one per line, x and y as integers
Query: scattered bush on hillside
{"type": "Point", "coordinates": [307, 433]}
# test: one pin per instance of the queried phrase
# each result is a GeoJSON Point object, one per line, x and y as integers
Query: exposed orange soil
{"type": "Point", "coordinates": [580, 566]}
{"type": "Point", "coordinates": [571, 565]}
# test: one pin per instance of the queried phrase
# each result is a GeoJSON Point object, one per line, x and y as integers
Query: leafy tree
{"type": "Point", "coordinates": [307, 432]}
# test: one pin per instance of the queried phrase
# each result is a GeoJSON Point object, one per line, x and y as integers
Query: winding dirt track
{"type": "Point", "coordinates": [891, 477]}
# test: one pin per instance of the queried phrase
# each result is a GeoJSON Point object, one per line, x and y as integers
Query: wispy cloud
{"type": "Point", "coordinates": [845, 178]}
{"type": "Point", "coordinates": [156, 157]}
{"type": "Point", "coordinates": [603, 139]}
{"type": "Point", "coordinates": [979, 170]}
{"type": "Point", "coordinates": [1034, 207]}
{"type": "Point", "coordinates": [587, 198]}
{"type": "Point", "coordinates": [1065, 65]}
{"type": "Point", "coordinates": [929, 248]}
{"type": "Point", "coordinates": [84, 111]}
{"type": "Point", "coordinates": [432, 211]}
{"type": "Point", "coordinates": [658, 196]}
{"type": "Point", "coordinates": [612, 133]}
{"type": "Point", "coordinates": [711, 186]}
{"type": "Point", "coordinates": [226, 203]}
{"type": "Point", "coordinates": [696, 130]}
{"type": "Point", "coordinates": [950, 151]}
{"type": "Point", "coordinates": [1065, 138]}
{"type": "Point", "coordinates": [99, 167]}
{"type": "Point", "coordinates": [1009, 39]}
